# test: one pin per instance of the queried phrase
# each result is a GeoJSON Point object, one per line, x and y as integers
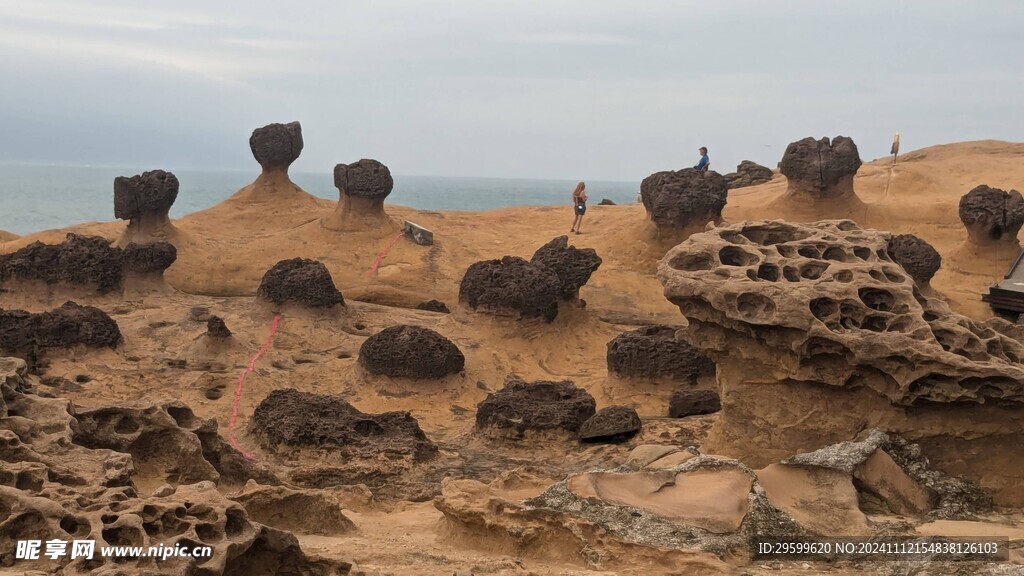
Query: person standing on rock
{"type": "Point", "coordinates": [579, 206]}
{"type": "Point", "coordinates": [704, 163]}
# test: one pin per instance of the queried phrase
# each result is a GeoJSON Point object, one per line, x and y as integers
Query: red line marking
{"type": "Point", "coordinates": [241, 380]}
{"type": "Point", "coordinates": [384, 252]}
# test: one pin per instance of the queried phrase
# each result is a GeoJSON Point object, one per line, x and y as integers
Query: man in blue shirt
{"type": "Point", "coordinates": [704, 163]}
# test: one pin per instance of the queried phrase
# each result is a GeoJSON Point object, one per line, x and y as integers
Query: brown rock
{"type": "Point", "coordinates": [685, 403]}
{"type": "Point", "coordinates": [216, 328]}
{"type": "Point", "coordinates": [682, 202]}
{"type": "Point", "coordinates": [154, 257]}
{"type": "Point", "coordinates": [820, 169]}
{"type": "Point", "coordinates": [572, 265]}
{"type": "Point", "coordinates": [410, 352]}
{"type": "Point", "coordinates": [363, 186]}
{"type": "Point", "coordinates": [535, 406]}
{"type": "Point", "coordinates": [916, 256]}
{"type": "Point", "coordinates": [883, 477]}
{"type": "Point", "coordinates": [992, 215]}
{"type": "Point", "coordinates": [29, 336]}
{"type": "Point", "coordinates": [433, 306]}
{"type": "Point", "coordinates": [511, 287]}
{"type": "Point", "coordinates": [302, 281]}
{"type": "Point", "coordinates": [611, 425]}
{"type": "Point", "coordinates": [749, 174]}
{"type": "Point", "coordinates": [276, 146]}
{"type": "Point", "coordinates": [80, 261]}
{"type": "Point", "coordinates": [655, 352]}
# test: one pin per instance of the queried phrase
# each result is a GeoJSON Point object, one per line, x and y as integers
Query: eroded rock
{"type": "Point", "coordinates": [145, 201]}
{"type": "Point", "coordinates": [29, 335]}
{"type": "Point", "coordinates": [302, 281]}
{"type": "Point", "coordinates": [363, 186]}
{"type": "Point", "coordinates": [88, 261]}
{"type": "Point", "coordinates": [992, 215]}
{"type": "Point", "coordinates": [820, 169]}
{"type": "Point", "coordinates": [410, 352]}
{"type": "Point", "coordinates": [154, 257]}
{"type": "Point", "coordinates": [216, 328]}
{"type": "Point", "coordinates": [748, 173]}
{"type": "Point", "coordinates": [685, 403]}
{"type": "Point", "coordinates": [611, 425]}
{"type": "Point", "coordinates": [433, 306]}
{"type": "Point", "coordinates": [511, 287]}
{"type": "Point", "coordinates": [276, 146]}
{"type": "Point", "coordinates": [655, 352]}
{"type": "Point", "coordinates": [684, 201]}
{"type": "Point", "coordinates": [522, 407]}
{"type": "Point", "coordinates": [916, 256]}
{"type": "Point", "coordinates": [572, 265]}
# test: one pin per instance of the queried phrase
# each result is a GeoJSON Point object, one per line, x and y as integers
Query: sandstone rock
{"type": "Point", "coordinates": [433, 306]}
{"type": "Point", "coordinates": [216, 328]}
{"type": "Point", "coordinates": [362, 186]}
{"type": "Point", "coordinates": [289, 418]}
{"type": "Point", "coordinates": [302, 281]}
{"type": "Point", "coordinates": [818, 319]}
{"type": "Point", "coordinates": [748, 174]}
{"type": "Point", "coordinates": [410, 352]}
{"type": "Point", "coordinates": [149, 258]}
{"type": "Point", "coordinates": [685, 403]}
{"type": "Point", "coordinates": [535, 406]}
{"type": "Point", "coordinates": [882, 476]}
{"type": "Point", "coordinates": [511, 286]}
{"type": "Point", "coordinates": [916, 256]}
{"type": "Point", "coordinates": [684, 201]}
{"type": "Point", "coordinates": [820, 169]}
{"type": "Point", "coordinates": [302, 511]}
{"type": "Point", "coordinates": [29, 336]}
{"type": "Point", "coordinates": [88, 261]}
{"type": "Point", "coordinates": [646, 453]}
{"type": "Point", "coordinates": [612, 424]}
{"type": "Point", "coordinates": [145, 197]}
{"type": "Point", "coordinates": [276, 146]}
{"type": "Point", "coordinates": [572, 265]}
{"type": "Point", "coordinates": [992, 215]}
{"type": "Point", "coordinates": [655, 352]}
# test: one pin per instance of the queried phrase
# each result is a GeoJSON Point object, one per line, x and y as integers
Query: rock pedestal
{"type": "Point", "coordinates": [362, 187]}
{"type": "Point", "coordinates": [683, 202]}
{"type": "Point", "coordinates": [992, 216]}
{"type": "Point", "coordinates": [820, 169]}
{"type": "Point", "coordinates": [145, 201]}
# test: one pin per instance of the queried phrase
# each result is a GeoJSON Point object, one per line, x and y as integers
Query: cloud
{"type": "Point", "coordinates": [573, 39]}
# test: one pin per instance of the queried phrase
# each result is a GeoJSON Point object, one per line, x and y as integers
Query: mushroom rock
{"type": "Point", "coordinates": [572, 265]}
{"type": "Point", "coordinates": [992, 216]}
{"type": "Point", "coordinates": [145, 201]}
{"type": "Point", "coordinates": [683, 202]}
{"type": "Point", "coordinates": [302, 281]}
{"type": "Point", "coordinates": [748, 174]}
{"type": "Point", "coordinates": [522, 407]}
{"type": "Point", "coordinates": [916, 256]}
{"type": "Point", "coordinates": [511, 287]}
{"type": "Point", "coordinates": [362, 187]}
{"type": "Point", "coordinates": [410, 352]}
{"type": "Point", "coordinates": [655, 352]}
{"type": "Point", "coordinates": [29, 335]}
{"type": "Point", "coordinates": [276, 146]}
{"type": "Point", "coordinates": [611, 425]}
{"type": "Point", "coordinates": [820, 169]}
{"type": "Point", "coordinates": [819, 334]}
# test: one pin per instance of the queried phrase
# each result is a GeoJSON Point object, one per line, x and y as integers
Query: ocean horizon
{"type": "Point", "coordinates": [37, 197]}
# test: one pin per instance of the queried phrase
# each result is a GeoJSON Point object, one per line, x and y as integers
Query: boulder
{"type": "Point", "coordinates": [511, 287]}
{"type": "Point", "coordinates": [433, 306]}
{"type": "Point", "coordinates": [820, 169]}
{"type": "Point", "coordinates": [81, 261]}
{"type": "Point", "coordinates": [572, 265]}
{"type": "Point", "coordinates": [611, 425]}
{"type": "Point", "coordinates": [655, 352]}
{"type": "Point", "coordinates": [29, 335]}
{"type": "Point", "coordinates": [145, 201]}
{"type": "Point", "coordinates": [748, 174]}
{"type": "Point", "coordinates": [684, 201]}
{"type": "Point", "coordinates": [522, 407]}
{"type": "Point", "coordinates": [362, 187]}
{"type": "Point", "coordinates": [410, 352]}
{"type": "Point", "coordinates": [992, 215]}
{"type": "Point", "coordinates": [302, 281]}
{"type": "Point", "coordinates": [154, 257]}
{"type": "Point", "coordinates": [276, 146]}
{"type": "Point", "coordinates": [917, 257]}
{"type": "Point", "coordinates": [685, 403]}
{"type": "Point", "coordinates": [216, 328]}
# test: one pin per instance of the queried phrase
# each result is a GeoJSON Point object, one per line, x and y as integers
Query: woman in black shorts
{"type": "Point", "coordinates": [579, 206]}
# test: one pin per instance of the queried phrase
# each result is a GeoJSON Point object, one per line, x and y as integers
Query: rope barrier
{"type": "Point", "coordinates": [241, 381]}
{"type": "Point", "coordinates": [384, 252]}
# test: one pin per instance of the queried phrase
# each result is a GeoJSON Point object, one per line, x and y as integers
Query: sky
{"type": "Point", "coordinates": [573, 89]}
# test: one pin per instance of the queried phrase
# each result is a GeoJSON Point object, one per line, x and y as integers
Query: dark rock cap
{"type": "Point", "coordinates": [300, 280]}
{"type": "Point", "coordinates": [364, 179]}
{"type": "Point", "coordinates": [611, 425]}
{"type": "Point", "coordinates": [915, 255]}
{"type": "Point", "coordinates": [820, 164]}
{"type": "Point", "coordinates": [151, 192]}
{"type": "Point", "coordinates": [685, 199]}
{"type": "Point", "coordinates": [511, 285]}
{"type": "Point", "coordinates": [572, 265]}
{"type": "Point", "coordinates": [276, 146]}
{"type": "Point", "coordinates": [541, 405]}
{"type": "Point", "coordinates": [654, 352]}
{"type": "Point", "coordinates": [410, 352]}
{"type": "Point", "coordinates": [991, 214]}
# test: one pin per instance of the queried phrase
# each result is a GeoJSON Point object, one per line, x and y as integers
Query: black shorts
{"type": "Point", "coordinates": [581, 209]}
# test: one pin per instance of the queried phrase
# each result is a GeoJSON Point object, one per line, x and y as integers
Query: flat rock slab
{"type": "Point", "coordinates": [822, 499]}
{"type": "Point", "coordinates": [419, 234]}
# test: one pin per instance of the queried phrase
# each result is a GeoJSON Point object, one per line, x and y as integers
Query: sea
{"type": "Point", "coordinates": [42, 197]}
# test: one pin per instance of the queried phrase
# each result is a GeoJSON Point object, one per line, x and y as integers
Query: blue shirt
{"type": "Point", "coordinates": [703, 164]}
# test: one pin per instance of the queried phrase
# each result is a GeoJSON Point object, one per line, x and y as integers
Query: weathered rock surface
{"type": "Point", "coordinates": [916, 256]}
{"type": "Point", "coordinates": [146, 196]}
{"type": "Point", "coordinates": [572, 265]}
{"type": "Point", "coordinates": [992, 215]}
{"type": "Point", "coordinates": [685, 403]}
{"type": "Point", "coordinates": [606, 202]}
{"type": "Point", "coordinates": [511, 287]}
{"type": "Point", "coordinates": [87, 261]}
{"type": "Point", "coordinates": [820, 169]}
{"type": "Point", "coordinates": [363, 185]}
{"type": "Point", "coordinates": [410, 352]}
{"type": "Point", "coordinates": [276, 146]}
{"type": "Point", "coordinates": [302, 281]}
{"type": "Point", "coordinates": [684, 201]}
{"type": "Point", "coordinates": [154, 257]}
{"type": "Point", "coordinates": [818, 319]}
{"type": "Point", "coordinates": [612, 424]}
{"type": "Point", "coordinates": [303, 511]}
{"type": "Point", "coordinates": [655, 352]}
{"type": "Point", "coordinates": [216, 328]}
{"type": "Point", "coordinates": [748, 173]}
{"type": "Point", "coordinates": [433, 306]}
{"type": "Point", "coordinates": [522, 407]}
{"type": "Point", "coordinates": [29, 335]}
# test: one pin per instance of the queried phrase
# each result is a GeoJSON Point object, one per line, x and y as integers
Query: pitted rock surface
{"type": "Point", "coordinates": [748, 174]}
{"type": "Point", "coordinates": [149, 258]}
{"type": "Point", "coordinates": [654, 352]}
{"type": "Point", "coordinates": [410, 352]}
{"type": "Point", "coordinates": [612, 424]}
{"type": "Point", "coordinates": [685, 200]}
{"type": "Point", "coordinates": [535, 406]}
{"type": "Point", "coordinates": [821, 168]}
{"type": "Point", "coordinates": [302, 281]}
{"type": "Point", "coordinates": [276, 146]}
{"type": "Point", "coordinates": [511, 286]}
{"type": "Point", "coordinates": [217, 328]}
{"type": "Point", "coordinates": [148, 194]}
{"type": "Point", "coordinates": [572, 265]}
{"type": "Point", "coordinates": [88, 261]}
{"type": "Point", "coordinates": [364, 179]}
{"type": "Point", "coordinates": [30, 335]}
{"type": "Point", "coordinates": [992, 215]}
{"type": "Point", "coordinates": [916, 256]}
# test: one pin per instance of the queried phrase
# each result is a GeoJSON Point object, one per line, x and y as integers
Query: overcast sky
{"type": "Point", "coordinates": [581, 89]}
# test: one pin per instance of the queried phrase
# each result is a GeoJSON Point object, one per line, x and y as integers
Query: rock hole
{"type": "Point", "coordinates": [813, 270]}
{"type": "Point", "coordinates": [823, 308]}
{"type": "Point", "coordinates": [755, 307]}
{"type": "Point", "coordinates": [77, 527]}
{"type": "Point", "coordinates": [843, 276]}
{"type": "Point", "coordinates": [209, 533]}
{"type": "Point", "coordinates": [109, 518]}
{"type": "Point", "coordinates": [769, 272]}
{"type": "Point", "coordinates": [835, 253]}
{"type": "Point", "coordinates": [735, 256]}
{"type": "Point", "coordinates": [791, 274]}
{"type": "Point", "coordinates": [126, 425]}
{"type": "Point", "coordinates": [862, 252]}
{"type": "Point", "coordinates": [182, 415]}
{"type": "Point", "coordinates": [691, 262]}
{"type": "Point", "coordinates": [809, 252]}
{"type": "Point", "coordinates": [874, 323]}
{"type": "Point", "coordinates": [123, 536]}
{"type": "Point", "coordinates": [235, 523]}
{"type": "Point", "coordinates": [368, 428]}
{"type": "Point", "coordinates": [877, 299]}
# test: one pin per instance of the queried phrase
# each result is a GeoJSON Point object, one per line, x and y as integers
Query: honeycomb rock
{"type": "Point", "coordinates": [807, 319]}
{"type": "Point", "coordinates": [511, 287]}
{"type": "Point", "coordinates": [276, 146]}
{"type": "Point", "coordinates": [302, 281]}
{"type": "Point", "coordinates": [655, 352]}
{"type": "Point", "coordinates": [521, 406]}
{"type": "Point", "coordinates": [916, 256]}
{"type": "Point", "coordinates": [820, 169]}
{"type": "Point", "coordinates": [992, 215]}
{"type": "Point", "coordinates": [82, 261]}
{"type": "Point", "coordinates": [684, 201]}
{"type": "Point", "coordinates": [410, 352]}
{"type": "Point", "coordinates": [572, 265]}
{"type": "Point", "coordinates": [29, 335]}
{"type": "Point", "coordinates": [611, 425]}
{"type": "Point", "coordinates": [149, 195]}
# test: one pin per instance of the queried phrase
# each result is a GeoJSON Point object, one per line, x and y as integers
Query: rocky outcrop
{"type": "Point", "coordinates": [917, 257]}
{"type": "Point", "coordinates": [410, 352]}
{"type": "Point", "coordinates": [606, 202]}
{"type": "Point", "coordinates": [748, 174]}
{"type": "Point", "coordinates": [152, 258]}
{"type": "Point", "coordinates": [288, 419]}
{"type": "Point", "coordinates": [145, 201]}
{"type": "Point", "coordinates": [611, 425]}
{"type": "Point", "coordinates": [434, 306]}
{"type": "Point", "coordinates": [522, 407]}
{"type": "Point", "coordinates": [820, 169]}
{"type": "Point", "coordinates": [992, 216]}
{"type": "Point", "coordinates": [276, 146]}
{"type": "Point", "coordinates": [655, 352]}
{"type": "Point", "coordinates": [216, 328]}
{"type": "Point", "coordinates": [683, 202]}
{"type": "Point", "coordinates": [819, 319]}
{"type": "Point", "coordinates": [572, 265]}
{"type": "Point", "coordinates": [30, 336]}
{"type": "Point", "coordinates": [362, 187]}
{"type": "Point", "coordinates": [301, 281]}
{"type": "Point", "coordinates": [685, 403]}
{"type": "Point", "coordinates": [511, 287]}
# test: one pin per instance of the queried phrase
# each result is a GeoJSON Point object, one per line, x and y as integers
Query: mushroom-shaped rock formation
{"type": "Point", "coordinates": [410, 352]}
{"type": "Point", "coordinates": [28, 335]}
{"type": "Point", "coordinates": [276, 146]}
{"type": "Point", "coordinates": [302, 281]}
{"type": "Point", "coordinates": [85, 261]}
{"type": "Point", "coordinates": [572, 265]}
{"type": "Point", "coordinates": [362, 187]}
{"type": "Point", "coordinates": [511, 287]}
{"type": "Point", "coordinates": [685, 201]}
{"type": "Point", "coordinates": [522, 407]}
{"type": "Point", "coordinates": [288, 418]}
{"type": "Point", "coordinates": [820, 169]}
{"type": "Point", "coordinates": [433, 306]}
{"type": "Point", "coordinates": [916, 256]}
{"type": "Point", "coordinates": [151, 258]}
{"type": "Point", "coordinates": [145, 200]}
{"type": "Point", "coordinates": [685, 403]}
{"type": "Point", "coordinates": [992, 215]}
{"type": "Point", "coordinates": [818, 319]}
{"type": "Point", "coordinates": [217, 328]}
{"type": "Point", "coordinates": [748, 174]}
{"type": "Point", "coordinates": [655, 352]}
{"type": "Point", "coordinates": [611, 425]}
